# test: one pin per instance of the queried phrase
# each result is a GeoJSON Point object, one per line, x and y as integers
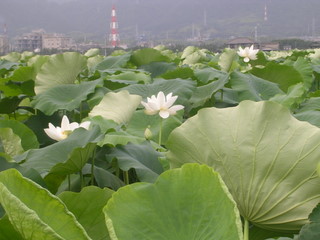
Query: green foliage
{"type": "Point", "coordinates": [267, 158]}
{"type": "Point", "coordinates": [311, 231]}
{"type": "Point", "coordinates": [259, 150]}
{"type": "Point", "coordinates": [141, 157]}
{"type": "Point", "coordinates": [34, 212]}
{"type": "Point", "coordinates": [87, 207]}
{"type": "Point", "coordinates": [64, 96]}
{"type": "Point", "coordinates": [118, 107]}
{"type": "Point", "coordinates": [59, 69]}
{"type": "Point", "coordinates": [146, 56]}
{"type": "Point", "coordinates": [186, 200]}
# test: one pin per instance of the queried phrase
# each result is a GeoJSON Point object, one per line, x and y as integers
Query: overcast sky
{"type": "Point", "coordinates": [164, 18]}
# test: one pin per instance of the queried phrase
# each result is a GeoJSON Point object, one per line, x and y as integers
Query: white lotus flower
{"type": "Point", "coordinates": [248, 53]}
{"type": "Point", "coordinates": [60, 133]}
{"type": "Point", "coordinates": [161, 104]}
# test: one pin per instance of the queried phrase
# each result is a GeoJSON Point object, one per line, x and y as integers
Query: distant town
{"type": "Point", "coordinates": [41, 42]}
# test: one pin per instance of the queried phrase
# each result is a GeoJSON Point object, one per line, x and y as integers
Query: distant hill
{"type": "Point", "coordinates": [160, 19]}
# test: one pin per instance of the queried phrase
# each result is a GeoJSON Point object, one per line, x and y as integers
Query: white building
{"type": "Point", "coordinates": [4, 44]}
{"type": "Point", "coordinates": [56, 41]}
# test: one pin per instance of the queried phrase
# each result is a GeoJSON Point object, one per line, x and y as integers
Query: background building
{"type": "Point", "coordinates": [29, 41]}
{"type": "Point", "coordinates": [4, 44]}
{"type": "Point", "coordinates": [56, 41]}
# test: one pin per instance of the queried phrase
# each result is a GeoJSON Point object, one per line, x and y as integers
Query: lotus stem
{"type": "Point", "coordinates": [246, 230]}
{"type": "Point", "coordinates": [160, 132]}
{"type": "Point", "coordinates": [92, 166]}
{"type": "Point", "coordinates": [126, 177]}
{"type": "Point", "coordinates": [81, 179]}
{"type": "Point", "coordinates": [69, 183]}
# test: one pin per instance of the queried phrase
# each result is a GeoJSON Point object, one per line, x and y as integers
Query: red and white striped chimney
{"type": "Point", "coordinates": [114, 36]}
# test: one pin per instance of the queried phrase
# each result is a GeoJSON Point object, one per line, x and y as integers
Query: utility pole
{"type": "Point", "coordinates": [114, 36]}
{"type": "Point", "coordinates": [265, 12]}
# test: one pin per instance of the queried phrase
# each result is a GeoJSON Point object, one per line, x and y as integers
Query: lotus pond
{"type": "Point", "coordinates": [160, 145]}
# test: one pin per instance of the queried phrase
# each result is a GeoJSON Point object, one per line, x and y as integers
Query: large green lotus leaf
{"type": "Point", "coordinates": [9, 104]}
{"type": "Point", "coordinates": [204, 93]}
{"type": "Point", "coordinates": [118, 107]}
{"type": "Point", "coordinates": [131, 77]}
{"type": "Point", "coordinates": [76, 161]}
{"type": "Point", "coordinates": [311, 231]}
{"type": "Point", "coordinates": [34, 212]}
{"type": "Point", "coordinates": [7, 231]}
{"type": "Point", "coordinates": [59, 69]}
{"type": "Point", "coordinates": [120, 138]}
{"type": "Point", "coordinates": [23, 74]}
{"type": "Point", "coordinates": [214, 81]}
{"type": "Point", "coordinates": [187, 203]}
{"type": "Point", "coordinates": [141, 157]}
{"type": "Point", "coordinates": [141, 121]}
{"type": "Point", "coordinates": [182, 72]}
{"type": "Point", "coordinates": [64, 96]}
{"type": "Point", "coordinates": [37, 61]}
{"type": "Point", "coordinates": [183, 88]}
{"type": "Point", "coordinates": [309, 111]}
{"type": "Point", "coordinates": [26, 172]}
{"type": "Point", "coordinates": [92, 52]}
{"type": "Point", "coordinates": [6, 65]}
{"type": "Point", "coordinates": [105, 178]}
{"type": "Point", "coordinates": [28, 138]}
{"type": "Point", "coordinates": [253, 88]}
{"type": "Point", "coordinates": [114, 62]}
{"type": "Point", "coordinates": [12, 57]}
{"type": "Point", "coordinates": [266, 157]}
{"type": "Point", "coordinates": [309, 104]}
{"type": "Point", "coordinates": [147, 55]}
{"type": "Point", "coordinates": [312, 117]}
{"type": "Point", "coordinates": [295, 95]}
{"type": "Point", "coordinates": [227, 60]}
{"type": "Point", "coordinates": [74, 164]}
{"type": "Point", "coordinates": [92, 62]}
{"type": "Point", "coordinates": [305, 69]}
{"type": "Point", "coordinates": [11, 143]}
{"type": "Point", "coordinates": [193, 55]}
{"type": "Point", "coordinates": [104, 124]}
{"type": "Point", "coordinates": [44, 159]}
{"type": "Point", "coordinates": [158, 68]}
{"type": "Point", "coordinates": [207, 75]}
{"type": "Point", "coordinates": [87, 207]}
{"type": "Point", "coordinates": [283, 75]}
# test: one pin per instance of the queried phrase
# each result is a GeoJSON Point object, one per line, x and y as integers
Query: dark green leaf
{"type": "Point", "coordinates": [87, 207]}
{"type": "Point", "coordinates": [142, 157]}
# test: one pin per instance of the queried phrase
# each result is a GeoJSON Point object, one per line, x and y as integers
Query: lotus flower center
{"type": "Point", "coordinates": [66, 133]}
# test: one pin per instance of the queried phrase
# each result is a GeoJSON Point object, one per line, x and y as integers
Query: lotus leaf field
{"type": "Point", "coordinates": [153, 144]}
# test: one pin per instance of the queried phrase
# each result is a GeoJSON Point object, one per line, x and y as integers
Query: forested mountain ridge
{"type": "Point", "coordinates": [179, 19]}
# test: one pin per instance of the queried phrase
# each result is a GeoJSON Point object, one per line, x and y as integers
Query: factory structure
{"type": "Point", "coordinates": [39, 40]}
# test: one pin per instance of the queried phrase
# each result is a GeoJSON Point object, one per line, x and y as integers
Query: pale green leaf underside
{"type": "Point", "coordinates": [59, 69]}
{"type": "Point", "coordinates": [64, 96]}
{"type": "Point", "coordinates": [11, 142]}
{"type": "Point", "coordinates": [87, 206]}
{"type": "Point", "coordinates": [118, 107]}
{"type": "Point", "coordinates": [34, 212]}
{"type": "Point", "coordinates": [187, 203]}
{"type": "Point", "coordinates": [267, 158]}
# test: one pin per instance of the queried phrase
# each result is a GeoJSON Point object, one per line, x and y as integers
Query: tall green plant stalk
{"type": "Point", "coordinates": [92, 166]}
{"type": "Point", "coordinates": [246, 230]}
{"type": "Point", "coordinates": [126, 177]}
{"type": "Point", "coordinates": [81, 179]}
{"type": "Point", "coordinates": [160, 132]}
{"type": "Point", "coordinates": [69, 183]}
